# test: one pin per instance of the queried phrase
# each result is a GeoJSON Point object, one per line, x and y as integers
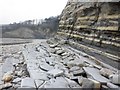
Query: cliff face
{"type": "Point", "coordinates": [96, 23]}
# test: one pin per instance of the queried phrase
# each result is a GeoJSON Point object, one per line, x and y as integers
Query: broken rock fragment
{"type": "Point", "coordinates": [39, 82]}
{"type": "Point", "coordinates": [5, 86]}
{"type": "Point", "coordinates": [59, 52]}
{"type": "Point", "coordinates": [59, 82]}
{"type": "Point", "coordinates": [53, 45]}
{"type": "Point", "coordinates": [89, 83]}
{"type": "Point", "coordinates": [94, 73]}
{"type": "Point", "coordinates": [16, 80]}
{"type": "Point", "coordinates": [106, 72]}
{"type": "Point", "coordinates": [72, 83]}
{"type": "Point", "coordinates": [115, 78]}
{"type": "Point", "coordinates": [113, 87]}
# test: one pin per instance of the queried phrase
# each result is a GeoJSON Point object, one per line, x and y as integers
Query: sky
{"type": "Point", "coordinates": [21, 10]}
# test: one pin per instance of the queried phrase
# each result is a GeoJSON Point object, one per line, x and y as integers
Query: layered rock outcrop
{"type": "Point", "coordinates": [96, 23]}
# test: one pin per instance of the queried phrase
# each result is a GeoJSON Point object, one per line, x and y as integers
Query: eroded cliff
{"type": "Point", "coordinates": [96, 23]}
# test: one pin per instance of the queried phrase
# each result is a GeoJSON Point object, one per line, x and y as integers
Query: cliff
{"type": "Point", "coordinates": [96, 23]}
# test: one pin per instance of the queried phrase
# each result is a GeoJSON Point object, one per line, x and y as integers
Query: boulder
{"type": "Point", "coordinates": [7, 78]}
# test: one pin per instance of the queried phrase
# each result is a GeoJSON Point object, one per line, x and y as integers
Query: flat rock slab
{"type": "Point", "coordinates": [28, 83]}
{"type": "Point", "coordinates": [7, 66]}
{"type": "Point", "coordinates": [55, 72]}
{"type": "Point", "coordinates": [113, 87]}
{"type": "Point", "coordinates": [95, 74]}
{"type": "Point", "coordinates": [59, 82]}
{"type": "Point", "coordinates": [39, 83]}
{"type": "Point", "coordinates": [36, 74]}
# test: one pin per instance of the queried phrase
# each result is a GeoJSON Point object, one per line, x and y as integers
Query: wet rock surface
{"type": "Point", "coordinates": [34, 66]}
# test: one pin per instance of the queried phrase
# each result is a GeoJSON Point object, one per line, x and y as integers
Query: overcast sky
{"type": "Point", "coordinates": [20, 10]}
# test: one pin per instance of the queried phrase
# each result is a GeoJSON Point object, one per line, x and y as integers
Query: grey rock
{"type": "Point", "coordinates": [74, 68]}
{"type": "Point", "coordinates": [64, 54]}
{"type": "Point", "coordinates": [52, 50]}
{"type": "Point", "coordinates": [106, 72]}
{"type": "Point", "coordinates": [20, 73]}
{"type": "Point", "coordinates": [55, 72]}
{"type": "Point", "coordinates": [46, 67]}
{"type": "Point", "coordinates": [78, 72]}
{"type": "Point", "coordinates": [5, 86]}
{"type": "Point", "coordinates": [59, 52]}
{"type": "Point", "coordinates": [97, 85]}
{"type": "Point", "coordinates": [53, 45]}
{"type": "Point", "coordinates": [75, 63]}
{"type": "Point", "coordinates": [50, 60]}
{"type": "Point", "coordinates": [28, 82]}
{"type": "Point", "coordinates": [113, 87]}
{"type": "Point", "coordinates": [39, 83]}
{"type": "Point", "coordinates": [95, 74]}
{"type": "Point", "coordinates": [58, 48]}
{"type": "Point", "coordinates": [59, 82]}
{"type": "Point", "coordinates": [86, 83]}
{"type": "Point", "coordinates": [72, 83]}
{"type": "Point", "coordinates": [1, 82]}
{"type": "Point", "coordinates": [8, 65]}
{"type": "Point", "coordinates": [115, 78]}
{"type": "Point", "coordinates": [16, 80]}
{"type": "Point", "coordinates": [36, 74]}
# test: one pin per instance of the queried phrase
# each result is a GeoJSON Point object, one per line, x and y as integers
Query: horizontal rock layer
{"type": "Point", "coordinates": [92, 22]}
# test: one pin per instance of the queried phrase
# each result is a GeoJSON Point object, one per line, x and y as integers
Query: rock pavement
{"type": "Point", "coordinates": [53, 65]}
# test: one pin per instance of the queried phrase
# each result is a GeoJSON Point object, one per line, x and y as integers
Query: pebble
{"type": "Point", "coordinates": [39, 83]}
